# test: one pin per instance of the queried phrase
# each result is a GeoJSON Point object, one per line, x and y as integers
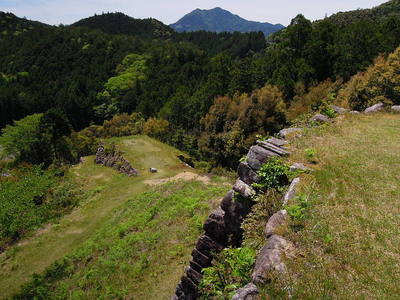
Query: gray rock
{"type": "Point", "coordinates": [195, 276]}
{"type": "Point", "coordinates": [189, 288]}
{"type": "Point", "coordinates": [291, 192]}
{"type": "Point", "coordinates": [257, 156]}
{"type": "Point", "coordinates": [246, 293]}
{"type": "Point", "coordinates": [284, 133]}
{"type": "Point", "coordinates": [195, 266]}
{"type": "Point", "coordinates": [354, 112]}
{"type": "Point", "coordinates": [201, 259]}
{"type": "Point", "coordinates": [207, 245]}
{"type": "Point", "coordinates": [299, 167]}
{"type": "Point", "coordinates": [227, 201]}
{"type": "Point", "coordinates": [244, 189]}
{"type": "Point", "coordinates": [375, 108]}
{"type": "Point", "coordinates": [395, 108]}
{"type": "Point", "coordinates": [215, 227]}
{"type": "Point", "coordinates": [319, 118]}
{"type": "Point", "coordinates": [339, 110]}
{"type": "Point", "coordinates": [277, 142]}
{"type": "Point", "coordinates": [276, 223]}
{"type": "Point", "coordinates": [247, 174]}
{"type": "Point", "coordinates": [273, 148]}
{"type": "Point", "coordinates": [270, 258]}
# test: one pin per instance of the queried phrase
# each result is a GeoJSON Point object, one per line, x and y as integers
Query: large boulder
{"type": "Point", "coordinates": [248, 292]}
{"type": "Point", "coordinates": [270, 258]}
{"type": "Point", "coordinates": [257, 156]}
{"type": "Point", "coordinates": [375, 108]}
{"type": "Point", "coordinates": [277, 223]}
{"type": "Point", "coordinates": [247, 174]}
{"type": "Point", "coordinates": [285, 133]}
{"type": "Point", "coordinates": [244, 189]}
{"type": "Point", "coordinates": [319, 118]}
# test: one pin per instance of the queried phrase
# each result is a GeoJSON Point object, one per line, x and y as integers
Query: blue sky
{"type": "Point", "coordinates": [169, 11]}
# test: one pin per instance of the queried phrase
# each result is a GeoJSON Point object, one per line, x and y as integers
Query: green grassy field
{"type": "Point", "coordinates": [349, 238]}
{"type": "Point", "coordinates": [107, 191]}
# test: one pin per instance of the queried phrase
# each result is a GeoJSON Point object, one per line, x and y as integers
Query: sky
{"type": "Point", "coordinates": [169, 11]}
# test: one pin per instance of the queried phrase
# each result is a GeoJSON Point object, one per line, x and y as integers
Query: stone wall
{"type": "Point", "coordinates": [113, 158]}
{"type": "Point", "coordinates": [223, 227]}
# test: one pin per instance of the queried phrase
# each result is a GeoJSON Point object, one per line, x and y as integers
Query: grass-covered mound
{"type": "Point", "coordinates": [140, 251]}
{"type": "Point", "coordinates": [347, 216]}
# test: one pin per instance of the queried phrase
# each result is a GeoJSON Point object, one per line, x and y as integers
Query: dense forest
{"type": "Point", "coordinates": [213, 93]}
{"type": "Point", "coordinates": [64, 89]}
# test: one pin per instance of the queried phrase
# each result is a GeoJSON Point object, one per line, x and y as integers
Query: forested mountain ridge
{"type": "Point", "coordinates": [119, 23]}
{"type": "Point", "coordinates": [11, 24]}
{"type": "Point", "coordinates": [387, 9]}
{"type": "Point", "coordinates": [195, 81]}
{"type": "Point", "coordinates": [220, 20]}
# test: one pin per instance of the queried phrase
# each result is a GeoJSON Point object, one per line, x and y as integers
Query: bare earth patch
{"type": "Point", "coordinates": [186, 176]}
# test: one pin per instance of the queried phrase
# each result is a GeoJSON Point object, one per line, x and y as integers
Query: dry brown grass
{"type": "Point", "coordinates": [350, 242]}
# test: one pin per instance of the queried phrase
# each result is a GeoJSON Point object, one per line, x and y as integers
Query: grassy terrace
{"type": "Point", "coordinates": [119, 233]}
{"type": "Point", "coordinates": [349, 238]}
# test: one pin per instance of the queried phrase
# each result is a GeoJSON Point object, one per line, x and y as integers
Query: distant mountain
{"type": "Point", "coordinates": [220, 20]}
{"type": "Point", "coordinates": [387, 9]}
{"type": "Point", "coordinates": [119, 23]}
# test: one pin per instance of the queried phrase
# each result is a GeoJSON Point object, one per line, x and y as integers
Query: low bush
{"type": "Point", "coordinates": [273, 174]}
{"type": "Point", "coordinates": [231, 270]}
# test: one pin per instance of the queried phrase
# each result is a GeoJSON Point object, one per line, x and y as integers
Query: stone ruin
{"type": "Point", "coordinates": [113, 158]}
{"type": "Point", "coordinates": [223, 226]}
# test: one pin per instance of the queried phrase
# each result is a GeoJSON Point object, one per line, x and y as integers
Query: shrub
{"type": "Point", "coordinates": [379, 83]}
{"type": "Point", "coordinates": [273, 174]}
{"type": "Point", "coordinates": [231, 270]}
{"type": "Point", "coordinates": [157, 128]}
{"type": "Point", "coordinates": [310, 154]}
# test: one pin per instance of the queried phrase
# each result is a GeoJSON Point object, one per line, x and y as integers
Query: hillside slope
{"type": "Point", "coordinates": [347, 233]}
{"type": "Point", "coordinates": [220, 20]}
{"type": "Point", "coordinates": [109, 202]}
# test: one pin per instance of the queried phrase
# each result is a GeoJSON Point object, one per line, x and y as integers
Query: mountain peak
{"type": "Point", "coordinates": [219, 20]}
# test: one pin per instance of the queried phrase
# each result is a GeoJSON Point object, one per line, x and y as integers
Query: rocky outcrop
{"type": "Point", "coordinates": [223, 226]}
{"type": "Point", "coordinates": [375, 108]}
{"type": "Point", "coordinates": [113, 158]}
